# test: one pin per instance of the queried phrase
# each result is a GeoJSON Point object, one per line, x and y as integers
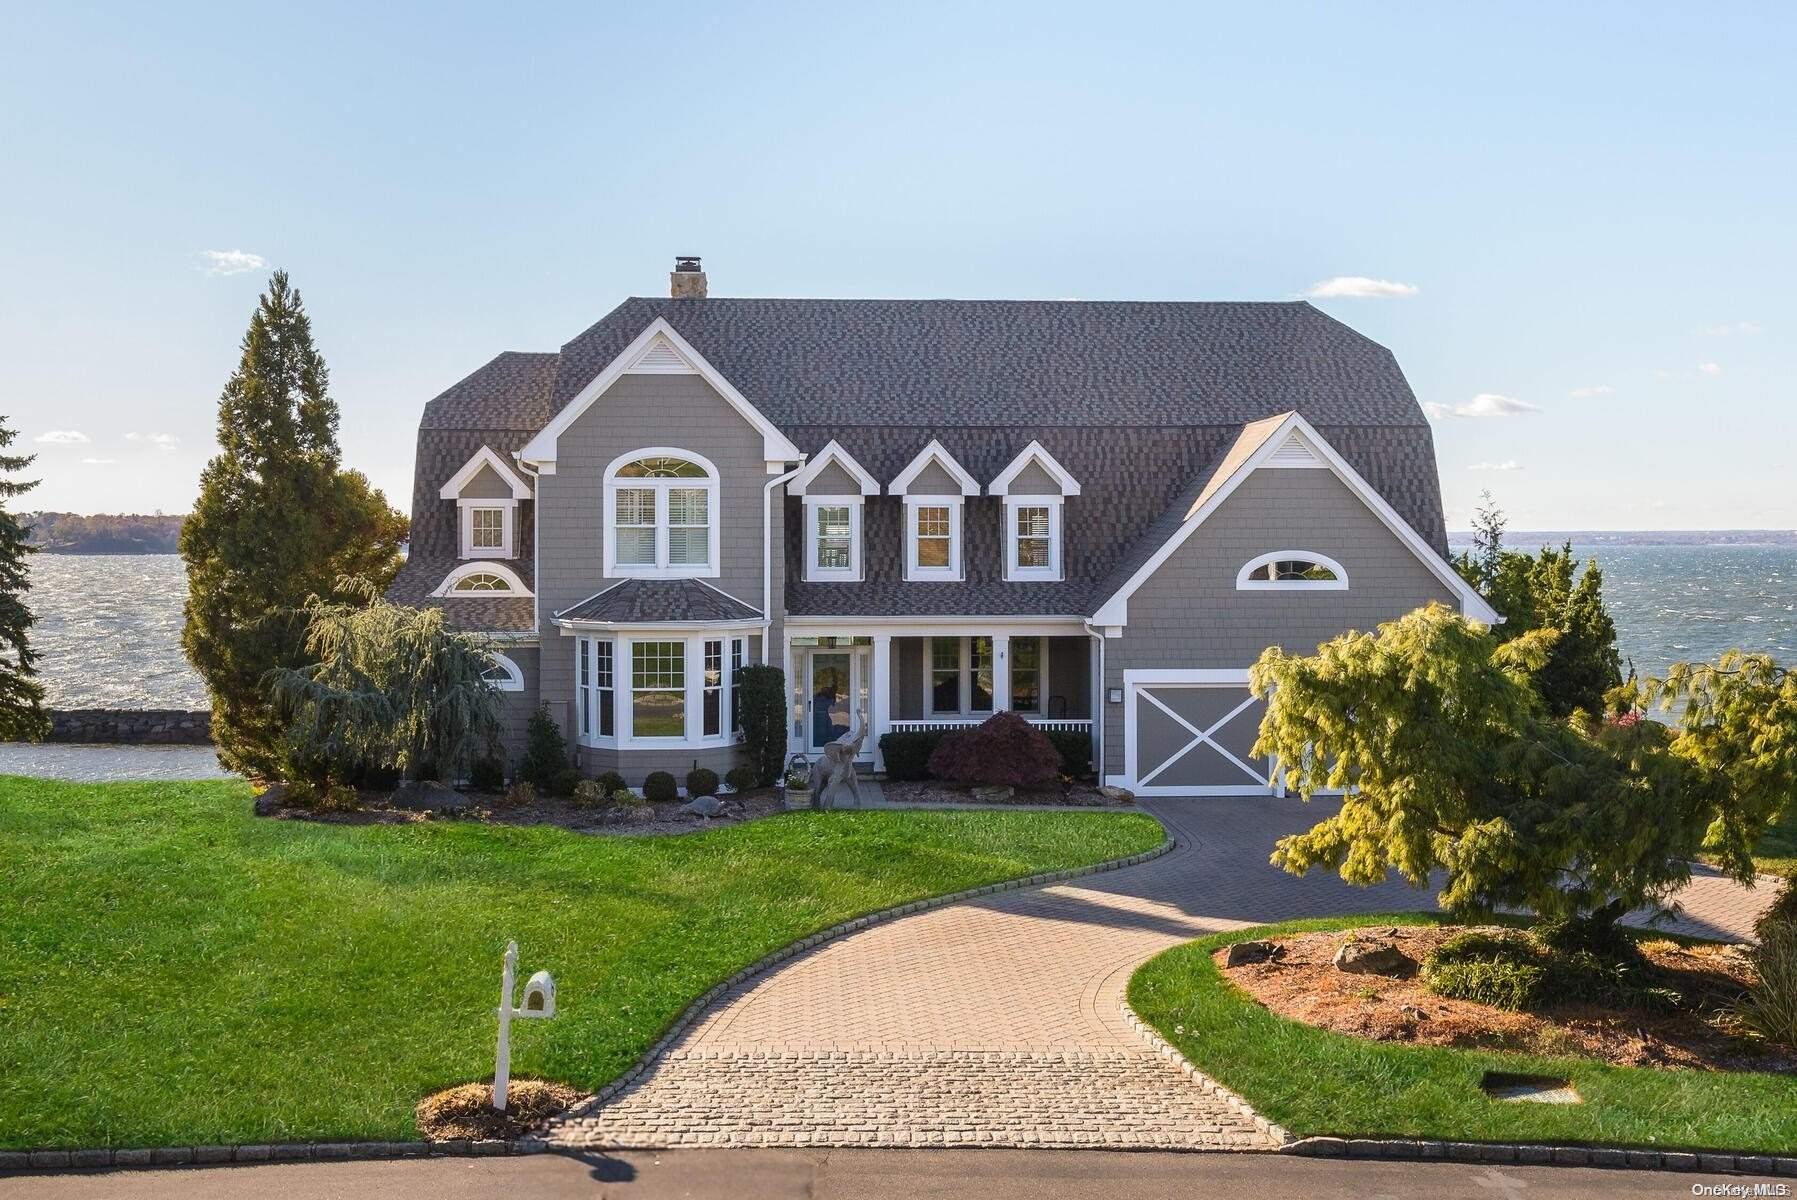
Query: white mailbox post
{"type": "Point", "coordinates": [539, 1001]}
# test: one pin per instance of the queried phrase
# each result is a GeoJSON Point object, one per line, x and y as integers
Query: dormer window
{"type": "Point", "coordinates": [833, 486]}
{"type": "Point", "coordinates": [1292, 570]}
{"type": "Point", "coordinates": [481, 579]}
{"type": "Point", "coordinates": [661, 515]}
{"type": "Point", "coordinates": [1034, 487]}
{"type": "Point", "coordinates": [935, 488]}
{"type": "Point", "coordinates": [487, 491]}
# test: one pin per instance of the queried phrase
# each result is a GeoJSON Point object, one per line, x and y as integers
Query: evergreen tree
{"type": "Point", "coordinates": [22, 715]}
{"type": "Point", "coordinates": [1479, 566]}
{"type": "Point", "coordinates": [278, 520]}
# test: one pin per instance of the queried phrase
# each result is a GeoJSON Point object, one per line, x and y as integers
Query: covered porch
{"type": "Point", "coordinates": [914, 678]}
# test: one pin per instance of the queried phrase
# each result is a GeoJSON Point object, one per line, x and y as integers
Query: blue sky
{"type": "Point", "coordinates": [1589, 207]}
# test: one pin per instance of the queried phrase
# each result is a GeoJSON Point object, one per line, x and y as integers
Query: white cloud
{"type": "Point", "coordinates": [1436, 411]}
{"type": "Point", "coordinates": [1359, 287]}
{"type": "Point", "coordinates": [1491, 404]}
{"type": "Point", "coordinates": [99, 462]}
{"type": "Point", "coordinates": [63, 437]}
{"type": "Point", "coordinates": [163, 441]}
{"type": "Point", "coordinates": [1710, 368]}
{"type": "Point", "coordinates": [1727, 328]}
{"type": "Point", "coordinates": [1509, 464]}
{"type": "Point", "coordinates": [1595, 390]}
{"type": "Point", "coordinates": [231, 262]}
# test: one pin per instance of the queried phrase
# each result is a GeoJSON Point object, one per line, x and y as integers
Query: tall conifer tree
{"type": "Point", "coordinates": [22, 715]}
{"type": "Point", "coordinates": [277, 520]}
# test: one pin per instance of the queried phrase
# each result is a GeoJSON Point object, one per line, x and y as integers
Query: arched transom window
{"type": "Point", "coordinates": [1292, 570]}
{"type": "Point", "coordinates": [482, 581]}
{"type": "Point", "coordinates": [661, 515]}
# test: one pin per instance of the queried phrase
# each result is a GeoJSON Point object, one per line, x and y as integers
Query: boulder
{"type": "Point", "coordinates": [1117, 795]}
{"type": "Point", "coordinates": [994, 795]}
{"type": "Point", "coordinates": [1242, 953]}
{"type": "Point", "coordinates": [1373, 958]}
{"type": "Point", "coordinates": [702, 806]}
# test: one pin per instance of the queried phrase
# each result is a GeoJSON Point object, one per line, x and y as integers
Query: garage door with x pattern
{"type": "Point", "coordinates": [1194, 736]}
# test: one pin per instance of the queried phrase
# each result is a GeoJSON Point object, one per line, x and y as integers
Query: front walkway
{"type": "Point", "coordinates": [998, 1021]}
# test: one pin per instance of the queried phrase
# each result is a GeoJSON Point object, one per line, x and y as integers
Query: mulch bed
{"type": "Point", "coordinates": [491, 808]}
{"type": "Point", "coordinates": [467, 1111]}
{"type": "Point", "coordinates": [1304, 985]}
{"type": "Point", "coordinates": [1077, 795]}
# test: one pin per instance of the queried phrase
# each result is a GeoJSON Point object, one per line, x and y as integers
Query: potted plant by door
{"type": "Point", "coordinates": [796, 786]}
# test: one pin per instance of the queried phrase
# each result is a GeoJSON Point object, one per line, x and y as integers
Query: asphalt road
{"type": "Point", "coordinates": [867, 1175]}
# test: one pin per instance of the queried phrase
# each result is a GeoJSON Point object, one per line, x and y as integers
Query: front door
{"type": "Point", "coordinates": [830, 696]}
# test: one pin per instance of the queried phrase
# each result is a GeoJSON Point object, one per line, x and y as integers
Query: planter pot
{"type": "Point", "coordinates": [797, 797]}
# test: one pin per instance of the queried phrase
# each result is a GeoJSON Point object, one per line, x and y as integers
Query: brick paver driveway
{"type": "Point", "coordinates": [998, 1021]}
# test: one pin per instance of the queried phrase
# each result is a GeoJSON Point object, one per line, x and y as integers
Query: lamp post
{"type": "Point", "coordinates": [539, 1001]}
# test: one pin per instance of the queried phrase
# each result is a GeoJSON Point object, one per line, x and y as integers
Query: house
{"type": "Point", "coordinates": [1093, 514]}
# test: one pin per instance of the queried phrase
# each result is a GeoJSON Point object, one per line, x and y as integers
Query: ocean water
{"type": "Point", "coordinates": [109, 626]}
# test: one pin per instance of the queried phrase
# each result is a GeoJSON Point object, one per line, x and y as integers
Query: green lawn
{"type": "Point", "coordinates": [175, 970]}
{"type": "Point", "coordinates": [1315, 1082]}
{"type": "Point", "coordinates": [1777, 851]}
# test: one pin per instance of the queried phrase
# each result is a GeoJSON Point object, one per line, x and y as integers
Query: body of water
{"type": "Point", "coordinates": [109, 626]}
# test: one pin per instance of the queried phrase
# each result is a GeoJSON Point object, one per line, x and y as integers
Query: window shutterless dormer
{"type": "Point", "coordinates": [1034, 487]}
{"type": "Point", "coordinates": [833, 487]}
{"type": "Point", "coordinates": [934, 487]}
{"type": "Point", "coordinates": [487, 491]}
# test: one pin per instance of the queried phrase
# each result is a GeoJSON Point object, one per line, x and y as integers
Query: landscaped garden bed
{"type": "Point", "coordinates": [1383, 1080]}
{"type": "Point", "coordinates": [175, 970]}
{"type": "Point", "coordinates": [1070, 795]}
{"type": "Point", "coordinates": [1303, 983]}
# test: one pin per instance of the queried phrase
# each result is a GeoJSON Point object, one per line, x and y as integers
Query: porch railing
{"type": "Point", "coordinates": [1052, 724]}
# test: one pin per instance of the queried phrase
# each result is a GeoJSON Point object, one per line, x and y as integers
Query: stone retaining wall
{"type": "Point", "coordinates": [168, 726]}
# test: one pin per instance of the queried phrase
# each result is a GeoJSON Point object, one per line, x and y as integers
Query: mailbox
{"type": "Point", "coordinates": [539, 996]}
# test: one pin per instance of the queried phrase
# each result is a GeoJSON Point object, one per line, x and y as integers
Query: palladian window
{"type": "Point", "coordinates": [1294, 570]}
{"type": "Point", "coordinates": [482, 581]}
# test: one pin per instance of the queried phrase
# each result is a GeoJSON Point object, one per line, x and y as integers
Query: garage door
{"type": "Point", "coordinates": [1192, 734]}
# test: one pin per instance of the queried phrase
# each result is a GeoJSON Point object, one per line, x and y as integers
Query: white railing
{"type": "Point", "coordinates": [1052, 724]}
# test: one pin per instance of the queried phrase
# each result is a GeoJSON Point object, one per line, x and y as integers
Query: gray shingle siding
{"type": "Point", "coordinates": [1189, 615]}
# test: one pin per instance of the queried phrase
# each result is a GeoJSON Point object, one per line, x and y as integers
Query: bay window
{"type": "Point", "coordinates": [674, 690]}
{"type": "Point", "coordinates": [658, 689]}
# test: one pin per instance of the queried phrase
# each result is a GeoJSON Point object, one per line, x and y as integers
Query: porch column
{"type": "Point", "coordinates": [880, 690]}
{"type": "Point", "coordinates": [1001, 671]}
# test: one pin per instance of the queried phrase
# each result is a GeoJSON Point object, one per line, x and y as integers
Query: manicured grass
{"type": "Point", "coordinates": [1777, 851]}
{"type": "Point", "coordinates": [1315, 1082]}
{"type": "Point", "coordinates": [175, 970]}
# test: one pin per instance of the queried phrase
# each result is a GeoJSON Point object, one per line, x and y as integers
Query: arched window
{"type": "Point", "coordinates": [482, 579]}
{"type": "Point", "coordinates": [1292, 570]}
{"type": "Point", "coordinates": [504, 674]}
{"type": "Point", "coordinates": [661, 515]}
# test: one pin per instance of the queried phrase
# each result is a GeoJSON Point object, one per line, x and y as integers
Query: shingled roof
{"type": "Point", "coordinates": [658, 602]}
{"type": "Point", "coordinates": [1139, 400]}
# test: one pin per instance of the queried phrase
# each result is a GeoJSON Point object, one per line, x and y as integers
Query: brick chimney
{"type": "Point", "coordinates": [687, 280]}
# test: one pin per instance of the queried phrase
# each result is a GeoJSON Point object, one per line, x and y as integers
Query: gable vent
{"type": "Point", "coordinates": [660, 359]}
{"type": "Point", "coordinates": [1294, 452]}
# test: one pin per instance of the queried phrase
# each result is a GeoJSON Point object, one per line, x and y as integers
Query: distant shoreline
{"type": "Point", "coordinates": [1517, 538]}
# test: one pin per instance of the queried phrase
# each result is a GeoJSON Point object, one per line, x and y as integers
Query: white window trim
{"type": "Point", "coordinates": [833, 453]}
{"type": "Point", "coordinates": [950, 573]}
{"type": "Point", "coordinates": [477, 567]}
{"type": "Point", "coordinates": [508, 525]}
{"type": "Point", "coordinates": [1053, 571]}
{"type": "Point", "coordinates": [514, 680]}
{"type": "Point", "coordinates": [822, 574]}
{"type": "Point", "coordinates": [486, 456]}
{"type": "Point", "coordinates": [1245, 584]}
{"type": "Point", "coordinates": [1001, 485]}
{"type": "Point", "coordinates": [624, 689]}
{"type": "Point", "coordinates": [595, 738]}
{"type": "Point", "coordinates": [661, 569]}
{"type": "Point", "coordinates": [934, 453]}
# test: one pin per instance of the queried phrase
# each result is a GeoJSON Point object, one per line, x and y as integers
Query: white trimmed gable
{"type": "Point", "coordinates": [942, 459]}
{"type": "Point", "coordinates": [486, 457]}
{"type": "Point", "coordinates": [1291, 438]}
{"type": "Point", "coordinates": [1043, 461]}
{"type": "Point", "coordinates": [833, 454]}
{"type": "Point", "coordinates": [655, 351]}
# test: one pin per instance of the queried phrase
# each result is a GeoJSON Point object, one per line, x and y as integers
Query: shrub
{"type": "Point", "coordinates": [1783, 910]}
{"type": "Point", "coordinates": [1075, 750]}
{"type": "Point", "coordinates": [741, 779]}
{"type": "Point", "coordinates": [611, 782]}
{"type": "Point", "coordinates": [1504, 970]}
{"type": "Point", "coordinates": [762, 693]}
{"type": "Point", "coordinates": [545, 751]}
{"type": "Point", "coordinates": [907, 754]}
{"type": "Point", "coordinates": [521, 793]}
{"type": "Point", "coordinates": [628, 800]}
{"type": "Point", "coordinates": [486, 775]}
{"type": "Point", "coordinates": [1602, 940]}
{"type": "Point", "coordinates": [1555, 965]}
{"type": "Point", "coordinates": [590, 793]}
{"type": "Point", "coordinates": [659, 787]}
{"type": "Point", "coordinates": [380, 778]}
{"type": "Point", "coordinates": [701, 781]}
{"type": "Point", "coordinates": [1770, 1006]}
{"type": "Point", "coordinates": [565, 781]}
{"type": "Point", "coordinates": [340, 797]}
{"type": "Point", "coordinates": [1004, 751]}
